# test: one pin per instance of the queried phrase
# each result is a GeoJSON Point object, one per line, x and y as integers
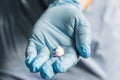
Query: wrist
{"type": "Point", "coordinates": [62, 2]}
{"type": "Point", "coordinates": [82, 4]}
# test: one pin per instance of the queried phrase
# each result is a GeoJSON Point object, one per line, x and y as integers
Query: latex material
{"type": "Point", "coordinates": [64, 26]}
{"type": "Point", "coordinates": [61, 2]}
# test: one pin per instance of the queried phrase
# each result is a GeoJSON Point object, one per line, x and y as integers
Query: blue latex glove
{"type": "Point", "coordinates": [63, 24]}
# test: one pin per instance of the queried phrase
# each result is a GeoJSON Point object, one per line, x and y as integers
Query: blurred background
{"type": "Point", "coordinates": [104, 17]}
{"type": "Point", "coordinates": [17, 18]}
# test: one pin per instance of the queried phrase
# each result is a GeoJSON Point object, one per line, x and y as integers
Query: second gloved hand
{"type": "Point", "coordinates": [64, 26]}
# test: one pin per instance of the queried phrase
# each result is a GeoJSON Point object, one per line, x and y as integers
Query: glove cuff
{"type": "Point", "coordinates": [61, 2]}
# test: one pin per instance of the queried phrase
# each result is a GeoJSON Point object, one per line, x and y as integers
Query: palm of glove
{"type": "Point", "coordinates": [63, 26]}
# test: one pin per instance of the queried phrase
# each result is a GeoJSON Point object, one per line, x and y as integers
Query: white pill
{"type": "Point", "coordinates": [59, 51]}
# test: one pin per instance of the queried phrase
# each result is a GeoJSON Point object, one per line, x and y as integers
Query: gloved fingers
{"type": "Point", "coordinates": [40, 59]}
{"type": "Point", "coordinates": [47, 71]}
{"type": "Point", "coordinates": [83, 36]}
{"type": "Point", "coordinates": [66, 61]}
{"type": "Point", "coordinates": [36, 56]}
{"type": "Point", "coordinates": [31, 53]}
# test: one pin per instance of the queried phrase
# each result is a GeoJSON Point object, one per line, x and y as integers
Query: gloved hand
{"type": "Point", "coordinates": [62, 24]}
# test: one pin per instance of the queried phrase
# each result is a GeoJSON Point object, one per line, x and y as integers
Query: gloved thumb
{"type": "Point", "coordinates": [83, 37]}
